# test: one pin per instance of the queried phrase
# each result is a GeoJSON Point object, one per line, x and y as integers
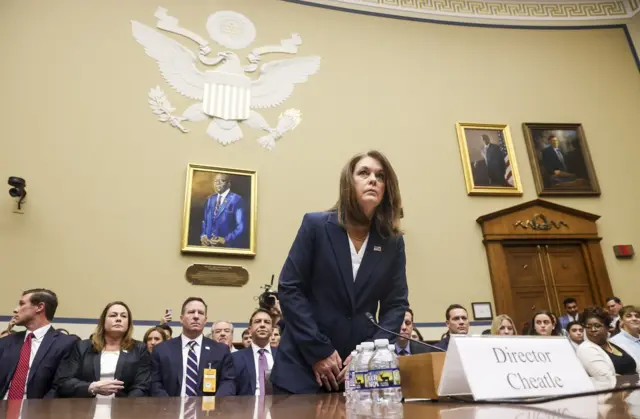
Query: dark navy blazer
{"type": "Point", "coordinates": [40, 384]}
{"type": "Point", "coordinates": [82, 368]}
{"type": "Point", "coordinates": [167, 373]}
{"type": "Point", "coordinates": [324, 308]}
{"type": "Point", "coordinates": [245, 370]}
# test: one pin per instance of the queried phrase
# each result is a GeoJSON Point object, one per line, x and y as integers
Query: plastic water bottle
{"type": "Point", "coordinates": [362, 394]}
{"type": "Point", "coordinates": [398, 390]}
{"type": "Point", "coordinates": [384, 380]}
{"type": "Point", "coordinates": [349, 383]}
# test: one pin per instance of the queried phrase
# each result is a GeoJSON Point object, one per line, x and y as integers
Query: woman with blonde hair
{"type": "Point", "coordinates": [503, 325]}
{"type": "Point", "coordinates": [110, 363]}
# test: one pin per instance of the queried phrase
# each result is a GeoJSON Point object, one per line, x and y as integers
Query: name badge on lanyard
{"type": "Point", "coordinates": [209, 380]}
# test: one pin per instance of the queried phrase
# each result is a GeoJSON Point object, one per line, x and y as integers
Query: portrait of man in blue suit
{"type": "Point", "coordinates": [224, 223]}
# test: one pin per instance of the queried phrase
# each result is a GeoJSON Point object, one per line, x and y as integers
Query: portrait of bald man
{"type": "Point", "coordinates": [225, 221]}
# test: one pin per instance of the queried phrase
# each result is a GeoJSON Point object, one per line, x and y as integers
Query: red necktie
{"type": "Point", "coordinates": [16, 389]}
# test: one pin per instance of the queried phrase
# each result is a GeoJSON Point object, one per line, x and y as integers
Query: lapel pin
{"type": "Point", "coordinates": [377, 248]}
{"type": "Point", "coordinates": [206, 347]}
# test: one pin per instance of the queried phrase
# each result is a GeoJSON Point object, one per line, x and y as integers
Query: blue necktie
{"type": "Point", "coordinates": [191, 385]}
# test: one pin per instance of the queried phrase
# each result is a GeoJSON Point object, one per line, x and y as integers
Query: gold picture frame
{"type": "Point", "coordinates": [488, 159]}
{"type": "Point", "coordinates": [563, 169]}
{"type": "Point", "coordinates": [221, 204]}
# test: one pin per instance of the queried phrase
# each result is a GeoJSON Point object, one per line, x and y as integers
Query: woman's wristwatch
{"type": "Point", "coordinates": [91, 390]}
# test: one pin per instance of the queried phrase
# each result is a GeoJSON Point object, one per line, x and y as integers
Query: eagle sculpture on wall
{"type": "Point", "coordinates": [226, 94]}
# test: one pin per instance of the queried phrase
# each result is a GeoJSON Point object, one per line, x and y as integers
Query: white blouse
{"type": "Point", "coordinates": [108, 362]}
{"type": "Point", "coordinates": [356, 257]}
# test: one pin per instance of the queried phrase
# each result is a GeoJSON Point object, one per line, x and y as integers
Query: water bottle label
{"type": "Point", "coordinates": [384, 378]}
{"type": "Point", "coordinates": [360, 382]}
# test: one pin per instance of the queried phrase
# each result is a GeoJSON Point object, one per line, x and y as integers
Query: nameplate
{"type": "Point", "coordinates": [217, 275]}
{"type": "Point", "coordinates": [512, 367]}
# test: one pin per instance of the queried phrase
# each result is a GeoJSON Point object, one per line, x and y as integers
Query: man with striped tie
{"type": "Point", "coordinates": [178, 365]}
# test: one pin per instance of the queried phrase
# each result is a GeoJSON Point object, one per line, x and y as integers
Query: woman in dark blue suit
{"type": "Point", "coordinates": [343, 263]}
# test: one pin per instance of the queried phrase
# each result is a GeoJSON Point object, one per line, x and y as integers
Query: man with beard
{"type": "Point", "coordinates": [253, 364]}
{"type": "Point", "coordinates": [178, 365]}
{"type": "Point", "coordinates": [29, 360]}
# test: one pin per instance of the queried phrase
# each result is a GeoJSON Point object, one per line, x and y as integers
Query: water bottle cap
{"type": "Point", "coordinates": [367, 346]}
{"type": "Point", "coordinates": [381, 343]}
{"type": "Point", "coordinates": [358, 348]}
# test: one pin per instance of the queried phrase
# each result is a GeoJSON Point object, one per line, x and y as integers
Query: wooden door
{"type": "Point", "coordinates": [527, 280]}
{"type": "Point", "coordinates": [568, 275]}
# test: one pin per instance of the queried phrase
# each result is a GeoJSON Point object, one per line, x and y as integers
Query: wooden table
{"type": "Point", "coordinates": [619, 406]}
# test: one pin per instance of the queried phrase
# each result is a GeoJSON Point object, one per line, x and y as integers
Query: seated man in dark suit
{"type": "Point", "coordinates": [403, 345]}
{"type": "Point", "coordinates": [253, 364]}
{"type": "Point", "coordinates": [457, 323]}
{"type": "Point", "coordinates": [29, 360]}
{"type": "Point", "coordinates": [178, 365]}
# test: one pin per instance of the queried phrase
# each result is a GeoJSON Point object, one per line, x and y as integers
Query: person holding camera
{"type": "Point", "coordinates": [343, 264]}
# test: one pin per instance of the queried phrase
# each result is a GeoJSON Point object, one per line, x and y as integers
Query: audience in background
{"type": "Point", "coordinates": [177, 365]}
{"type": "Point", "coordinates": [222, 332]}
{"type": "Point", "coordinates": [557, 330]}
{"type": "Point", "coordinates": [601, 358]}
{"type": "Point", "coordinates": [543, 324]}
{"type": "Point", "coordinates": [275, 337]}
{"type": "Point", "coordinates": [246, 338]}
{"type": "Point", "coordinates": [34, 353]}
{"type": "Point", "coordinates": [503, 325]}
{"type": "Point", "coordinates": [253, 364]}
{"type": "Point", "coordinates": [629, 336]}
{"type": "Point", "coordinates": [110, 364]}
{"type": "Point", "coordinates": [167, 330]}
{"type": "Point", "coordinates": [575, 332]}
{"type": "Point", "coordinates": [154, 336]}
{"type": "Point", "coordinates": [403, 345]}
{"type": "Point", "coordinates": [457, 323]}
{"type": "Point", "coordinates": [614, 305]}
{"type": "Point", "coordinates": [571, 312]}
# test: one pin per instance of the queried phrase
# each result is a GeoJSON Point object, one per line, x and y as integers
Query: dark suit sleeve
{"type": "Point", "coordinates": [71, 367]}
{"type": "Point", "coordinates": [67, 350]}
{"type": "Point", "coordinates": [395, 303]}
{"type": "Point", "coordinates": [140, 385]}
{"type": "Point", "coordinates": [226, 377]}
{"type": "Point", "coordinates": [157, 390]}
{"type": "Point", "coordinates": [293, 288]}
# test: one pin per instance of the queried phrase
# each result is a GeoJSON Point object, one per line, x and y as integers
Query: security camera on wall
{"type": "Point", "coordinates": [18, 192]}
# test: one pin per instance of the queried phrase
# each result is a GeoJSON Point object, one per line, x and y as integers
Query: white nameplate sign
{"type": "Point", "coordinates": [512, 367]}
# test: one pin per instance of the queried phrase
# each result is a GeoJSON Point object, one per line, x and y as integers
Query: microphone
{"type": "Point", "coordinates": [375, 323]}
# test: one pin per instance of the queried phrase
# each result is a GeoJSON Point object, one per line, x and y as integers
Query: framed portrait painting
{"type": "Point", "coordinates": [560, 159]}
{"type": "Point", "coordinates": [488, 159]}
{"type": "Point", "coordinates": [220, 211]}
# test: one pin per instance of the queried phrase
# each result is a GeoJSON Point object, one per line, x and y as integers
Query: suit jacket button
{"type": "Point", "coordinates": [348, 318]}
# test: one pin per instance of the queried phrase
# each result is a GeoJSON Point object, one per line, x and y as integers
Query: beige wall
{"type": "Point", "coordinates": [106, 180]}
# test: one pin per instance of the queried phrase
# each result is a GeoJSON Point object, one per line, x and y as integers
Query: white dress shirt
{"type": "Point", "coordinates": [36, 341]}
{"type": "Point", "coordinates": [223, 196]}
{"type": "Point", "coordinates": [256, 360]}
{"type": "Point", "coordinates": [185, 355]}
{"type": "Point", "coordinates": [356, 257]}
